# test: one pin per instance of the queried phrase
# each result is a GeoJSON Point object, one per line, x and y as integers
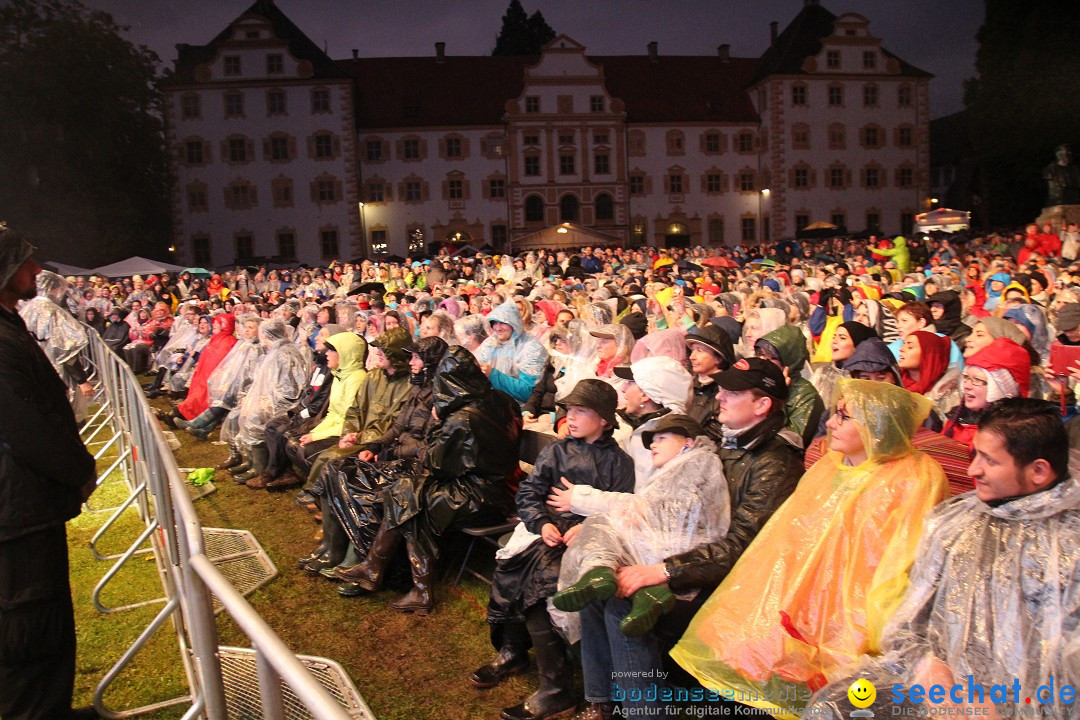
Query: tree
{"type": "Point", "coordinates": [522, 34]}
{"type": "Point", "coordinates": [1024, 102]}
{"type": "Point", "coordinates": [83, 165]}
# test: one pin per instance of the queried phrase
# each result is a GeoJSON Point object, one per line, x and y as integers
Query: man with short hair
{"type": "Point", "coordinates": [992, 599]}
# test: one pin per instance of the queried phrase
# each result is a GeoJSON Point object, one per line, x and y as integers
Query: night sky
{"type": "Point", "coordinates": [935, 35]}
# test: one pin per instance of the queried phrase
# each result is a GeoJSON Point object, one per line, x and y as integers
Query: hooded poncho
{"type": "Point", "coordinates": [994, 593]}
{"type": "Point", "coordinates": [221, 342]}
{"type": "Point", "coordinates": [517, 363]}
{"type": "Point", "coordinates": [276, 385]}
{"type": "Point", "coordinates": [812, 592]}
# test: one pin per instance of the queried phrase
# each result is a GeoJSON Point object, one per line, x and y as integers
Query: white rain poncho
{"type": "Point", "coordinates": [180, 379]}
{"type": "Point", "coordinates": [230, 380]}
{"type": "Point", "coordinates": [182, 336]}
{"type": "Point", "coordinates": [995, 594]}
{"type": "Point", "coordinates": [686, 504]}
{"type": "Point", "coordinates": [60, 335]}
{"type": "Point", "coordinates": [278, 382]}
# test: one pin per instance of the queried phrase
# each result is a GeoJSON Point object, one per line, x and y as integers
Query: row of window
{"type": "Point", "coordinates": [569, 208]}
{"type": "Point", "coordinates": [241, 194]}
{"type": "Point", "coordinates": [564, 104]}
{"type": "Point", "coordinates": [871, 137]}
{"type": "Point", "coordinates": [834, 60]}
{"type": "Point", "coordinates": [235, 104]}
{"type": "Point", "coordinates": [415, 149]}
{"type": "Point", "coordinates": [232, 65]}
{"type": "Point", "coordinates": [284, 242]}
{"type": "Point", "coordinates": [279, 147]}
{"type": "Point", "coordinates": [835, 95]}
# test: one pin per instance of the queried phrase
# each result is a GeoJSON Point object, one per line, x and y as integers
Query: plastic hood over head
{"type": "Point", "coordinates": [790, 345]}
{"type": "Point", "coordinates": [665, 381]}
{"type": "Point", "coordinates": [459, 381]}
{"type": "Point", "coordinates": [52, 286]}
{"type": "Point", "coordinates": [430, 351]}
{"type": "Point", "coordinates": [887, 416]}
{"type": "Point", "coordinates": [351, 350]}
{"type": "Point", "coordinates": [509, 314]}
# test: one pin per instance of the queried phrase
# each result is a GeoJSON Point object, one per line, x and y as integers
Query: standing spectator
{"type": "Point", "coordinates": [43, 485]}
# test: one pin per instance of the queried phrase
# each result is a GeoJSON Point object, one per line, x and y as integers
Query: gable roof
{"type": "Point", "coordinates": [802, 39]}
{"type": "Point", "coordinates": [300, 45]}
{"type": "Point", "coordinates": [473, 90]}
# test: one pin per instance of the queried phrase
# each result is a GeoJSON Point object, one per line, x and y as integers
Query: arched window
{"type": "Point", "coordinates": [605, 207]}
{"type": "Point", "coordinates": [568, 208]}
{"type": "Point", "coordinates": [534, 209]}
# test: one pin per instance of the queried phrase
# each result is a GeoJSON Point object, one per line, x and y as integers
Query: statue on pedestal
{"type": "Point", "coordinates": [1062, 179]}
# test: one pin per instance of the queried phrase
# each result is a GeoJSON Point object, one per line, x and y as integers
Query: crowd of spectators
{"type": "Point", "coordinates": [765, 469]}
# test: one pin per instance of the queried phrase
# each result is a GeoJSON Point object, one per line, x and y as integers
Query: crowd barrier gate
{"type": "Point", "coordinates": [266, 681]}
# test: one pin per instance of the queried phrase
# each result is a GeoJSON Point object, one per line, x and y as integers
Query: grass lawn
{"type": "Point", "coordinates": [406, 667]}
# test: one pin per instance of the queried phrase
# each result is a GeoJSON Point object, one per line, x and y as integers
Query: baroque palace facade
{"type": "Point", "coordinates": [281, 152]}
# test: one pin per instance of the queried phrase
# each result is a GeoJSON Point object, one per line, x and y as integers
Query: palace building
{"type": "Point", "coordinates": [280, 151]}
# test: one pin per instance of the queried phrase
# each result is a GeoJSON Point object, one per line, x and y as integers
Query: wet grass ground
{"type": "Point", "coordinates": [406, 667]}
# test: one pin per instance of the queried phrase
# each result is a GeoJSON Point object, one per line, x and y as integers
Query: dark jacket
{"type": "Point", "coordinates": [315, 398]}
{"type": "Point", "coordinates": [761, 473]}
{"type": "Point", "coordinates": [472, 455]}
{"type": "Point", "coordinates": [602, 464]}
{"type": "Point", "coordinates": [43, 463]}
{"type": "Point", "coordinates": [542, 399]}
{"type": "Point", "coordinates": [702, 402]}
{"type": "Point", "coordinates": [406, 438]}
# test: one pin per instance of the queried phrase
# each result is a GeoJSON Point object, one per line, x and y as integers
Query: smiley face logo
{"type": "Point", "coordinates": [862, 693]}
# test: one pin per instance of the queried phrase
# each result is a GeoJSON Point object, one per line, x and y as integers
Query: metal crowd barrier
{"type": "Point", "coordinates": [266, 681]}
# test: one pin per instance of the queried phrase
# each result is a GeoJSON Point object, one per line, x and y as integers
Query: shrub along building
{"type": "Point", "coordinates": [279, 150]}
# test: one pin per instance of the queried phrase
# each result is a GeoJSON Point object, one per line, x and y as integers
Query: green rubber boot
{"type": "Point", "coordinates": [647, 605]}
{"type": "Point", "coordinates": [597, 584]}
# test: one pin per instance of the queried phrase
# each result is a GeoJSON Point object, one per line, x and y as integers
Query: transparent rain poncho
{"type": "Point", "coordinates": [995, 594]}
{"type": "Point", "coordinates": [813, 591]}
{"type": "Point", "coordinates": [61, 336]}
{"type": "Point", "coordinates": [230, 380]}
{"type": "Point", "coordinates": [182, 377]}
{"type": "Point", "coordinates": [578, 364]}
{"type": "Point", "coordinates": [686, 504]}
{"type": "Point", "coordinates": [277, 384]}
{"type": "Point", "coordinates": [182, 336]}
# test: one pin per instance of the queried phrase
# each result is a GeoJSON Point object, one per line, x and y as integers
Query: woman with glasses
{"type": "Point", "coordinates": [1002, 369]}
{"type": "Point", "coordinates": [839, 550]}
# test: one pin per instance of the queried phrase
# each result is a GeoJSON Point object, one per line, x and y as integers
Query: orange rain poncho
{"type": "Point", "coordinates": [814, 589]}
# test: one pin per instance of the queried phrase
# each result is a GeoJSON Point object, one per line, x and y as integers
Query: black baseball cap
{"type": "Point", "coordinates": [751, 373]}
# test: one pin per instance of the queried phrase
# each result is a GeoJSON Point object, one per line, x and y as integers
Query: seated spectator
{"type": "Point", "coordinates": [527, 569]}
{"type": "Point", "coordinates": [924, 370]}
{"type": "Point", "coordinates": [277, 382]}
{"type": "Point", "coordinates": [297, 422]}
{"type": "Point", "coordinates": [786, 346]}
{"type": "Point", "coordinates": [511, 358]}
{"type": "Point", "coordinates": [685, 505]}
{"type": "Point", "coordinates": [180, 365]}
{"type": "Point", "coordinates": [711, 352]}
{"type": "Point", "coordinates": [471, 455]}
{"type": "Point", "coordinates": [1010, 544]}
{"type": "Point", "coordinates": [353, 496]}
{"type": "Point", "coordinates": [345, 357]}
{"type": "Point", "coordinates": [1002, 369]}
{"type": "Point", "coordinates": [470, 332]}
{"type": "Point", "coordinates": [654, 387]}
{"type": "Point", "coordinates": [837, 555]}
{"type": "Point", "coordinates": [845, 339]}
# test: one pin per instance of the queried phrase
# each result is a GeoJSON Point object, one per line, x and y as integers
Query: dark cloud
{"type": "Point", "coordinates": [937, 36]}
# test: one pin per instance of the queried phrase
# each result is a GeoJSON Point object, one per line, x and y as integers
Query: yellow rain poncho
{"type": "Point", "coordinates": [814, 589]}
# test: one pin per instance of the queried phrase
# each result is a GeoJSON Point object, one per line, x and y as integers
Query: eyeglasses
{"type": "Point", "coordinates": [972, 380]}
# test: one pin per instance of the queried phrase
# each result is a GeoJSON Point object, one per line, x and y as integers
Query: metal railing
{"type": "Point", "coordinates": [287, 686]}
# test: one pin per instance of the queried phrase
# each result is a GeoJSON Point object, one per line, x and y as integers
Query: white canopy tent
{"type": "Point", "coordinates": [134, 266]}
{"type": "Point", "coordinates": [66, 270]}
